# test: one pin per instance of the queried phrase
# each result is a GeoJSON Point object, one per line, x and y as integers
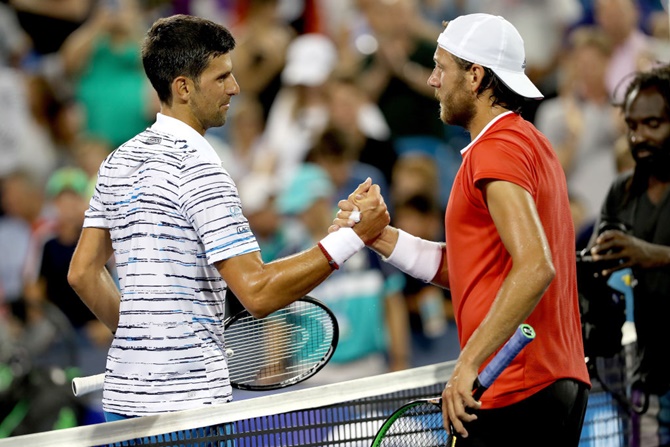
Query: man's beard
{"type": "Point", "coordinates": [457, 111]}
{"type": "Point", "coordinates": [656, 165]}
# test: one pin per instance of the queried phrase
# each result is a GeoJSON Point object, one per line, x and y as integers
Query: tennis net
{"type": "Point", "coordinates": [345, 414]}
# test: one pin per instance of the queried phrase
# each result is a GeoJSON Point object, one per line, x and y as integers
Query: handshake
{"type": "Point", "coordinates": [363, 219]}
{"type": "Point", "coordinates": [365, 211]}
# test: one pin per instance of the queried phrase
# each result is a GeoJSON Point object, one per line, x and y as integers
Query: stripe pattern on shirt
{"type": "Point", "coordinates": [172, 212]}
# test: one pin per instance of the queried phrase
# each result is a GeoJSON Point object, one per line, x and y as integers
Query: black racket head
{"type": "Point", "coordinates": [418, 423]}
{"type": "Point", "coordinates": [282, 349]}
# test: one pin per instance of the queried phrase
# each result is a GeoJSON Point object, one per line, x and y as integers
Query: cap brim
{"type": "Point", "coordinates": [519, 83]}
{"type": "Point", "coordinates": [303, 75]}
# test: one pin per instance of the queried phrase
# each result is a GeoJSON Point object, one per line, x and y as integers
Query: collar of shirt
{"type": "Point", "coordinates": [182, 131]}
{"type": "Point", "coordinates": [487, 127]}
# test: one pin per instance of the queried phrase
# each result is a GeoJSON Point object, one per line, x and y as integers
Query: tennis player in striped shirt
{"type": "Point", "coordinates": [171, 216]}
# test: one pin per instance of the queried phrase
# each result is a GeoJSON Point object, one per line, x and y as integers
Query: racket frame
{"type": "Point", "coordinates": [305, 374]}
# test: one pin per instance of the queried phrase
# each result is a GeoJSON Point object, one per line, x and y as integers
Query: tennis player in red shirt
{"type": "Point", "coordinates": [509, 256]}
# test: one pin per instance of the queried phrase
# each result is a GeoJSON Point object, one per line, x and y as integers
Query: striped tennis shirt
{"type": "Point", "coordinates": [172, 211]}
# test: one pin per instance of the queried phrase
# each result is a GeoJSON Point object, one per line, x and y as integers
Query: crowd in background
{"type": "Point", "coordinates": [332, 92]}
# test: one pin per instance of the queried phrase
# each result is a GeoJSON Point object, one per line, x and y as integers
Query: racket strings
{"type": "Point", "coordinates": [281, 359]}
{"type": "Point", "coordinates": [420, 425]}
{"type": "Point", "coordinates": [283, 342]}
{"type": "Point", "coordinates": [287, 344]}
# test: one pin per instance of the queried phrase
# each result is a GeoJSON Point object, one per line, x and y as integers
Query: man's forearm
{"type": "Point", "coordinates": [101, 295]}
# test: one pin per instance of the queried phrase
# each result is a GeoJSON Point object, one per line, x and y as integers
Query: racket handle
{"type": "Point", "coordinates": [88, 384]}
{"type": "Point", "coordinates": [523, 335]}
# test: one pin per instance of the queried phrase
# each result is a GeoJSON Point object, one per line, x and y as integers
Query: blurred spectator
{"type": "Point", "coordinates": [342, 24]}
{"type": "Point", "coordinates": [103, 59]}
{"type": "Point", "coordinates": [68, 189]}
{"type": "Point", "coordinates": [27, 124]}
{"type": "Point", "coordinates": [14, 42]}
{"type": "Point", "coordinates": [649, 11]}
{"type": "Point", "coordinates": [258, 194]}
{"type": "Point", "coordinates": [335, 155]}
{"type": "Point", "coordinates": [414, 174]}
{"type": "Point", "coordinates": [394, 75]}
{"type": "Point", "coordinates": [27, 223]}
{"type": "Point", "coordinates": [299, 113]}
{"type": "Point", "coordinates": [437, 11]}
{"type": "Point", "coordinates": [262, 41]}
{"type": "Point", "coordinates": [13, 117]}
{"type": "Point", "coordinates": [242, 151]}
{"type": "Point", "coordinates": [15, 240]}
{"type": "Point", "coordinates": [361, 125]}
{"type": "Point", "coordinates": [305, 16]}
{"type": "Point", "coordinates": [434, 335]}
{"type": "Point", "coordinates": [620, 20]}
{"type": "Point", "coordinates": [580, 122]}
{"type": "Point", "coordinates": [218, 11]}
{"type": "Point", "coordinates": [49, 23]}
{"type": "Point", "coordinates": [659, 25]}
{"type": "Point", "coordinates": [88, 153]}
{"type": "Point", "coordinates": [55, 122]}
{"type": "Point", "coordinates": [363, 293]}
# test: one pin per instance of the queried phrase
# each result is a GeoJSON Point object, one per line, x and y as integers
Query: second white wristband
{"type": "Point", "coordinates": [342, 244]}
{"type": "Point", "coordinates": [415, 256]}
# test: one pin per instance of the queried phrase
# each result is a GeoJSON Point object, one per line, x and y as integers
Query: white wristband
{"type": "Point", "coordinates": [415, 256]}
{"type": "Point", "coordinates": [341, 245]}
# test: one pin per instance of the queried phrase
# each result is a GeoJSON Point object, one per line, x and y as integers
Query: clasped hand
{"type": "Point", "coordinates": [374, 215]}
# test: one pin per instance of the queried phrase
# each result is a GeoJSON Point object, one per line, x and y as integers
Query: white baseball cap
{"type": "Point", "coordinates": [255, 191]}
{"type": "Point", "coordinates": [310, 59]}
{"type": "Point", "coordinates": [492, 42]}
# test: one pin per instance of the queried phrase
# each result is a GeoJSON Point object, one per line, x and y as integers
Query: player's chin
{"type": "Point", "coordinates": [220, 120]}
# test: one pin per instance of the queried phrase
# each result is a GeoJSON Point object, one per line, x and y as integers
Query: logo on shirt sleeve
{"type": "Point", "coordinates": [153, 140]}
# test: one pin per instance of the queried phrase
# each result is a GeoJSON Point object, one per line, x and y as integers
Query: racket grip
{"type": "Point", "coordinates": [88, 384]}
{"type": "Point", "coordinates": [523, 335]}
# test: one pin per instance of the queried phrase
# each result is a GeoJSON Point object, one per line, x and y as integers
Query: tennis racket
{"type": "Point", "coordinates": [287, 347]}
{"type": "Point", "coordinates": [419, 423]}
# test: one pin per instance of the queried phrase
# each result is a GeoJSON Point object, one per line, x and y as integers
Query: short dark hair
{"type": "Point", "coordinates": [657, 78]}
{"type": "Point", "coordinates": [501, 95]}
{"type": "Point", "coordinates": [181, 45]}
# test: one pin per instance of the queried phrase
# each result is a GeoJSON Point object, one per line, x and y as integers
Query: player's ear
{"type": "Point", "coordinates": [475, 77]}
{"type": "Point", "coordinates": [182, 88]}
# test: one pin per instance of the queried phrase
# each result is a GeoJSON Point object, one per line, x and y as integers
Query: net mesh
{"type": "Point", "coordinates": [420, 424]}
{"type": "Point", "coordinates": [344, 414]}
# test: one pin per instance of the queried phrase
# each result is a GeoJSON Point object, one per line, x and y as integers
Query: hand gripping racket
{"type": "Point", "coordinates": [419, 423]}
{"type": "Point", "coordinates": [286, 347]}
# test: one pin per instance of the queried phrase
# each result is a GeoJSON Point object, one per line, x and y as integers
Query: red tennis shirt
{"type": "Point", "coordinates": [513, 150]}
